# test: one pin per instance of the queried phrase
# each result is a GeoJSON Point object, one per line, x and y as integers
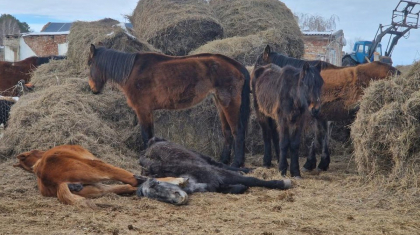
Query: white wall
{"type": "Point", "coordinates": [9, 55]}
{"type": "Point", "coordinates": [62, 48]}
{"type": "Point", "coordinates": [25, 50]}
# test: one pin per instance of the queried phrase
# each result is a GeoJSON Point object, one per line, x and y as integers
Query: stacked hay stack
{"type": "Point", "coordinates": [386, 132]}
{"type": "Point", "coordinates": [63, 110]}
{"type": "Point", "coordinates": [175, 27]}
{"type": "Point", "coordinates": [249, 25]}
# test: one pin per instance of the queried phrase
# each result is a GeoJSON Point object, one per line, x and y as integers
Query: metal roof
{"type": "Point", "coordinates": [56, 27]}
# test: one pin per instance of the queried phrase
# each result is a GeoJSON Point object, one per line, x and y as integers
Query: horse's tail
{"type": "Point", "coordinates": [244, 113]}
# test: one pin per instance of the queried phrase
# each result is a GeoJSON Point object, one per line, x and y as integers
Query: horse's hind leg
{"type": "Point", "coordinates": [310, 163]}
{"type": "Point", "coordinates": [231, 113]}
{"type": "Point", "coordinates": [227, 134]}
{"type": "Point", "coordinates": [65, 196]}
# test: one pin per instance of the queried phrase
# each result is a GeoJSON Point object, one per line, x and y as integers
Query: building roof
{"type": "Point", "coordinates": [56, 27]}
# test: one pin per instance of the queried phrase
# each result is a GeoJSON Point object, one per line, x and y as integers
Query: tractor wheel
{"type": "Point", "coordinates": [348, 61]}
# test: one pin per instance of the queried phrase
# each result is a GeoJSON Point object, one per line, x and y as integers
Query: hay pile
{"type": "Point", "coordinates": [176, 27]}
{"type": "Point", "coordinates": [107, 32]}
{"type": "Point", "coordinates": [252, 24]}
{"type": "Point", "coordinates": [386, 132]}
{"type": "Point", "coordinates": [247, 17]}
{"type": "Point", "coordinates": [246, 49]}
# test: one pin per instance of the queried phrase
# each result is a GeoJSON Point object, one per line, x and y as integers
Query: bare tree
{"type": "Point", "coordinates": [316, 23]}
{"type": "Point", "coordinates": [10, 25]}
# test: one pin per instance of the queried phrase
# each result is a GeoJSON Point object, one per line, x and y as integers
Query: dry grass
{"type": "Point", "coordinates": [175, 27]}
{"type": "Point", "coordinates": [386, 131]}
{"type": "Point", "coordinates": [335, 202]}
{"type": "Point", "coordinates": [248, 17]}
{"type": "Point", "coordinates": [108, 33]}
{"type": "Point", "coordinates": [246, 49]}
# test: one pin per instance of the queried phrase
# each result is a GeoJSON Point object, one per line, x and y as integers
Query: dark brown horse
{"type": "Point", "coordinates": [152, 81]}
{"type": "Point", "coordinates": [13, 72]}
{"type": "Point", "coordinates": [341, 93]}
{"type": "Point", "coordinates": [166, 159]}
{"type": "Point", "coordinates": [286, 95]}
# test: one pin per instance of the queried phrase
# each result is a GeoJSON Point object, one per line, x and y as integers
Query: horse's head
{"type": "Point", "coordinates": [96, 80]}
{"type": "Point", "coordinates": [28, 159]}
{"type": "Point", "coordinates": [163, 191]}
{"type": "Point", "coordinates": [379, 70]}
{"type": "Point", "coordinates": [311, 78]}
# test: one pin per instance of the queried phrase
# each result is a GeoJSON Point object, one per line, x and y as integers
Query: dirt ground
{"type": "Point", "coordinates": [334, 202]}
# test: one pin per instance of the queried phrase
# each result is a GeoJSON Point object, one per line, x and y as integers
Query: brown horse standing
{"type": "Point", "coordinates": [152, 81]}
{"type": "Point", "coordinates": [285, 95]}
{"type": "Point", "coordinates": [13, 72]}
{"type": "Point", "coordinates": [342, 90]}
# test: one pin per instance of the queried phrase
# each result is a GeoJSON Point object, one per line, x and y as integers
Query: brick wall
{"type": "Point", "coordinates": [319, 48]}
{"type": "Point", "coordinates": [45, 45]}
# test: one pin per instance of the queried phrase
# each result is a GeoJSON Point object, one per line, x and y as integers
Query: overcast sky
{"type": "Point", "coordinates": [358, 18]}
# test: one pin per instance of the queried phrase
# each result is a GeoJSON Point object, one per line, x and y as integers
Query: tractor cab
{"type": "Point", "coordinates": [361, 51]}
{"type": "Point", "coordinates": [360, 54]}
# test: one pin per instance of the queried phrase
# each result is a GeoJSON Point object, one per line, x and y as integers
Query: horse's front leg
{"type": "Point", "coordinates": [284, 147]}
{"type": "Point", "coordinates": [325, 157]}
{"type": "Point", "coordinates": [266, 133]}
{"type": "Point", "coordinates": [145, 119]}
{"type": "Point", "coordinates": [294, 151]}
{"type": "Point", "coordinates": [275, 137]}
{"type": "Point", "coordinates": [310, 163]}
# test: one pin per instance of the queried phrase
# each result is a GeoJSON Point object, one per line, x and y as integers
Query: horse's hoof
{"type": "Point", "coordinates": [297, 177]}
{"type": "Point", "coordinates": [287, 183]}
{"type": "Point", "coordinates": [320, 169]}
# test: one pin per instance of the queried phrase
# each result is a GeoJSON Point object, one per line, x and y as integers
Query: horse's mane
{"type": "Point", "coordinates": [114, 65]}
{"type": "Point", "coordinates": [282, 60]}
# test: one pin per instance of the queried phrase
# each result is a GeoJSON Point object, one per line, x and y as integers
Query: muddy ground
{"type": "Point", "coordinates": [334, 202]}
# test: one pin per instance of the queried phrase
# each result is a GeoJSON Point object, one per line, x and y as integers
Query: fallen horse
{"type": "Point", "coordinates": [72, 174]}
{"type": "Point", "coordinates": [166, 159]}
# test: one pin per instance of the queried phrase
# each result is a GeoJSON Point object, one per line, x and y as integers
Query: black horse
{"type": "Point", "coordinates": [286, 95]}
{"type": "Point", "coordinates": [166, 159]}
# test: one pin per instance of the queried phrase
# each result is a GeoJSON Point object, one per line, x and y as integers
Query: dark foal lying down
{"type": "Point", "coordinates": [72, 174]}
{"type": "Point", "coordinates": [166, 159]}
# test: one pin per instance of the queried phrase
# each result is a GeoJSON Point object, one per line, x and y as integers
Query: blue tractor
{"type": "Point", "coordinates": [404, 17]}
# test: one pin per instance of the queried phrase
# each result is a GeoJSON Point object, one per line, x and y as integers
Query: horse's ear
{"type": "Point", "coordinates": [92, 50]}
{"type": "Point", "coordinates": [266, 53]}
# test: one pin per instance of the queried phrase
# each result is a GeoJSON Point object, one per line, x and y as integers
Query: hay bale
{"type": "Point", "coordinates": [248, 17]}
{"type": "Point", "coordinates": [386, 130]}
{"type": "Point", "coordinates": [108, 32]}
{"type": "Point", "coordinates": [246, 49]}
{"type": "Point", "coordinates": [176, 27]}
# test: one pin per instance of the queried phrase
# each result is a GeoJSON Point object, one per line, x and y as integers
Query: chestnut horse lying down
{"type": "Point", "coordinates": [166, 159]}
{"type": "Point", "coordinates": [73, 174]}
